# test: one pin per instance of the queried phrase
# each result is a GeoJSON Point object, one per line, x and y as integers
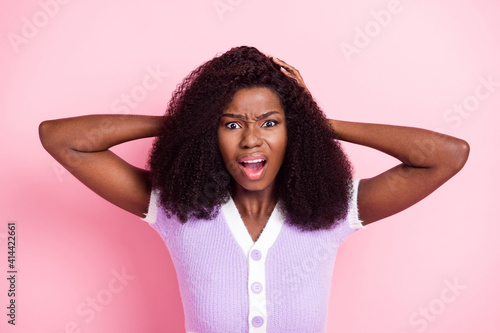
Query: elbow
{"type": "Point", "coordinates": [460, 152]}
{"type": "Point", "coordinates": [44, 132]}
{"type": "Point", "coordinates": [47, 135]}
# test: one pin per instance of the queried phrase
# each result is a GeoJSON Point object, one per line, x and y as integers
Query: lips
{"type": "Point", "coordinates": [253, 166]}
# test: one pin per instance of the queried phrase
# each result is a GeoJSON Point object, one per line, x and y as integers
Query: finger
{"type": "Point", "coordinates": [280, 62]}
{"type": "Point", "coordinates": [288, 72]}
{"type": "Point", "coordinates": [293, 73]}
{"type": "Point", "coordinates": [293, 76]}
{"type": "Point", "coordinates": [290, 69]}
{"type": "Point", "coordinates": [285, 65]}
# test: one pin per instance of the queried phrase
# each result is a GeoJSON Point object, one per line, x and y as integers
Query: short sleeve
{"type": "Point", "coordinates": [152, 213]}
{"type": "Point", "coordinates": [352, 215]}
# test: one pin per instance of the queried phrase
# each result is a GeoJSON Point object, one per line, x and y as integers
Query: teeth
{"type": "Point", "coordinates": [254, 161]}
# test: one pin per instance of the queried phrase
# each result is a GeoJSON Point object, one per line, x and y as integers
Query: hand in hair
{"type": "Point", "coordinates": [290, 71]}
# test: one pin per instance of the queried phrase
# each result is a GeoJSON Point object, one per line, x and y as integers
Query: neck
{"type": "Point", "coordinates": [254, 203]}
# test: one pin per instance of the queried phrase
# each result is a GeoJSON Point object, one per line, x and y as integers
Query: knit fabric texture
{"type": "Point", "coordinates": [229, 283]}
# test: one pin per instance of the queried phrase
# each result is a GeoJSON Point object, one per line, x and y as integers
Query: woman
{"type": "Point", "coordinates": [250, 189]}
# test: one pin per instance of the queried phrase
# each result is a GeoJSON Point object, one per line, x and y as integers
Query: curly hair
{"type": "Point", "coordinates": [314, 182]}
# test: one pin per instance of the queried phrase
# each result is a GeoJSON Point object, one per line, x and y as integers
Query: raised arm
{"type": "Point", "coordinates": [81, 145]}
{"type": "Point", "coordinates": [428, 160]}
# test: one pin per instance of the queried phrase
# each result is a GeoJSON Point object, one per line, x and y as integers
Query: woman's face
{"type": "Point", "coordinates": [252, 137]}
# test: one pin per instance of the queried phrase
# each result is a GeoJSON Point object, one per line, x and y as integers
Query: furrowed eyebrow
{"type": "Point", "coordinates": [239, 116]}
{"type": "Point", "coordinates": [265, 115]}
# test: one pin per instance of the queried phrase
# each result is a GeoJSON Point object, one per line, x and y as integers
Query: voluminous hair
{"type": "Point", "coordinates": [314, 182]}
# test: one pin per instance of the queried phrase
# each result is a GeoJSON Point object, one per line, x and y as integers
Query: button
{"type": "Point", "coordinates": [256, 287]}
{"type": "Point", "coordinates": [257, 321]}
{"type": "Point", "coordinates": [256, 255]}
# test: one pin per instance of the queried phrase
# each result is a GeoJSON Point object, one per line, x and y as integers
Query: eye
{"type": "Point", "coordinates": [232, 125]}
{"type": "Point", "coordinates": [270, 123]}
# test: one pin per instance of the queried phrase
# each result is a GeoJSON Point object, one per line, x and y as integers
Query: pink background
{"type": "Point", "coordinates": [81, 57]}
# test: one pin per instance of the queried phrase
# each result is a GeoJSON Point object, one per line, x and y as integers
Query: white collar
{"type": "Point", "coordinates": [240, 232]}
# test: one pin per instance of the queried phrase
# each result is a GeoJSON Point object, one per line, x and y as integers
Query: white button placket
{"type": "Point", "coordinates": [256, 291]}
{"type": "Point", "coordinates": [256, 253]}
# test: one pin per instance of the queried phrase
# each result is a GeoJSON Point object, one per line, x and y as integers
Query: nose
{"type": "Point", "coordinates": [252, 137]}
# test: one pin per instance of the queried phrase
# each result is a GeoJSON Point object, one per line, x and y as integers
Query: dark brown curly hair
{"type": "Point", "coordinates": [314, 182]}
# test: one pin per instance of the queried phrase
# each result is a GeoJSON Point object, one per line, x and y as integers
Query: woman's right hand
{"type": "Point", "coordinates": [80, 144]}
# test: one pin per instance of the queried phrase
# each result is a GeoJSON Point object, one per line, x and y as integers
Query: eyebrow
{"type": "Point", "coordinates": [239, 116]}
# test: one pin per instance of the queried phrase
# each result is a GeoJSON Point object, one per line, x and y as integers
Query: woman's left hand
{"type": "Point", "coordinates": [290, 71]}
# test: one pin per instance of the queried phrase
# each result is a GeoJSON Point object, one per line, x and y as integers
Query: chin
{"type": "Point", "coordinates": [255, 186]}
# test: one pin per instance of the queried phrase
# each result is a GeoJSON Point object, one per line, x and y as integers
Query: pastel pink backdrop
{"type": "Point", "coordinates": [404, 63]}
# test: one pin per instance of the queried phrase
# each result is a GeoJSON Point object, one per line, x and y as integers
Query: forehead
{"type": "Point", "coordinates": [257, 99]}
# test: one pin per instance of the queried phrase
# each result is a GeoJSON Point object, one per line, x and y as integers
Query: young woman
{"type": "Point", "coordinates": [249, 188]}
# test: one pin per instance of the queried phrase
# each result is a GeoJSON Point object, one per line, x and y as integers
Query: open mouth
{"type": "Point", "coordinates": [253, 169]}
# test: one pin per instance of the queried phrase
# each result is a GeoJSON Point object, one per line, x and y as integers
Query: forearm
{"type": "Point", "coordinates": [414, 147]}
{"type": "Point", "coordinates": [93, 133]}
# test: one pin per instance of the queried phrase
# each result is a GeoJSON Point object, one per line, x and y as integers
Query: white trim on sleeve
{"type": "Point", "coordinates": [150, 217]}
{"type": "Point", "coordinates": [352, 215]}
